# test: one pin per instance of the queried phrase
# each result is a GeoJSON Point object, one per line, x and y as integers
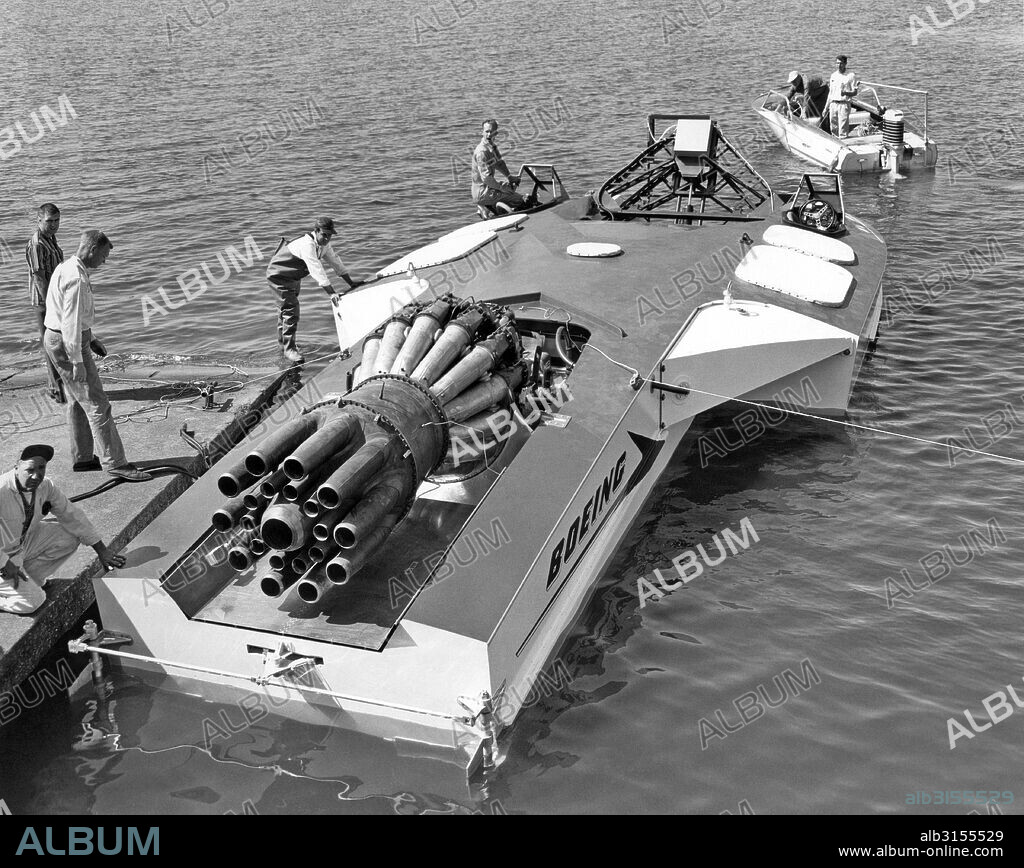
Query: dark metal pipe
{"type": "Point", "coordinates": [236, 479]}
{"type": "Point", "coordinates": [254, 498]}
{"type": "Point", "coordinates": [325, 525]}
{"type": "Point", "coordinates": [343, 567]}
{"type": "Point", "coordinates": [446, 348]}
{"type": "Point", "coordinates": [421, 336]}
{"type": "Point", "coordinates": [228, 515]}
{"type": "Point", "coordinates": [257, 546]}
{"type": "Point", "coordinates": [281, 442]}
{"type": "Point", "coordinates": [284, 527]}
{"type": "Point", "coordinates": [349, 479]}
{"type": "Point", "coordinates": [277, 561]}
{"type": "Point", "coordinates": [380, 500]}
{"type": "Point", "coordinates": [276, 582]}
{"type": "Point", "coordinates": [332, 438]}
{"type": "Point", "coordinates": [271, 485]}
{"type": "Point", "coordinates": [477, 362]}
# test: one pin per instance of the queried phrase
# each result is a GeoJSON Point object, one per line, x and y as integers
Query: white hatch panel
{"type": "Point", "coordinates": [818, 246]}
{"type": "Point", "coordinates": [795, 274]}
{"type": "Point", "coordinates": [359, 312]}
{"type": "Point", "coordinates": [509, 221]}
{"type": "Point", "coordinates": [444, 250]}
{"type": "Point", "coordinates": [593, 249]}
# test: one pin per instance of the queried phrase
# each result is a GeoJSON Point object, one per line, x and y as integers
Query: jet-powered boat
{"type": "Point", "coordinates": [403, 544]}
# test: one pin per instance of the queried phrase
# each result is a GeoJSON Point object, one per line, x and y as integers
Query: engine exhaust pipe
{"type": "Point", "coordinates": [229, 514]}
{"type": "Point", "coordinates": [446, 348]}
{"type": "Point", "coordinates": [371, 347]}
{"type": "Point", "coordinates": [385, 496]}
{"type": "Point", "coordinates": [276, 582]}
{"type": "Point", "coordinates": [236, 479]}
{"type": "Point", "coordinates": [300, 563]}
{"type": "Point", "coordinates": [332, 438]}
{"type": "Point", "coordinates": [421, 336]}
{"type": "Point", "coordinates": [240, 558]}
{"type": "Point", "coordinates": [324, 528]}
{"type": "Point", "coordinates": [343, 567]}
{"type": "Point", "coordinates": [282, 442]}
{"type": "Point", "coordinates": [394, 337]}
{"type": "Point", "coordinates": [497, 389]}
{"type": "Point", "coordinates": [272, 484]}
{"type": "Point", "coordinates": [284, 527]}
{"type": "Point", "coordinates": [349, 479]}
{"type": "Point", "coordinates": [482, 358]}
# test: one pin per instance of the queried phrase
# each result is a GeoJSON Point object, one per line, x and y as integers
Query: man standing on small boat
{"type": "Point", "coordinates": [307, 254]}
{"type": "Point", "coordinates": [841, 86]}
{"type": "Point", "coordinates": [488, 191]}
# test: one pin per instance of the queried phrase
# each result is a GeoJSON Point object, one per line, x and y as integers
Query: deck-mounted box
{"type": "Point", "coordinates": [693, 141]}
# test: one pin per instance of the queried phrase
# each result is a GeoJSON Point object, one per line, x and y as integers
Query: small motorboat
{"type": "Point", "coordinates": [881, 139]}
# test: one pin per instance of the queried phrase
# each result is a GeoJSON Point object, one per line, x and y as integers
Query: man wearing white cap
{"type": "Point", "coordinates": [810, 92]}
{"type": "Point", "coordinates": [31, 548]}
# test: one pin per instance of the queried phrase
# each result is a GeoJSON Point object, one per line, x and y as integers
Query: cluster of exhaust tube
{"type": "Point", "coordinates": [315, 500]}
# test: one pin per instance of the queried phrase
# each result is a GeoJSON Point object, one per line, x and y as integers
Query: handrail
{"type": "Point", "coordinates": [907, 90]}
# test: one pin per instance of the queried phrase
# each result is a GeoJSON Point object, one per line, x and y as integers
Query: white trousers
{"type": "Point", "coordinates": [47, 546]}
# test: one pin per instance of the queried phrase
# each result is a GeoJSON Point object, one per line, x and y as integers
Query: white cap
{"type": "Point", "coordinates": [793, 76]}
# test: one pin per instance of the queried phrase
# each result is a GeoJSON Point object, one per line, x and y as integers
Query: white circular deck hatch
{"type": "Point", "coordinates": [591, 249]}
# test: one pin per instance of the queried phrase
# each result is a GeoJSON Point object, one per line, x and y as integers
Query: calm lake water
{"type": "Point", "coordinates": [196, 127]}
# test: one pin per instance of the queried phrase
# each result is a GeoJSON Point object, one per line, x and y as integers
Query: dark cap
{"type": "Point", "coordinates": [842, 57]}
{"type": "Point", "coordinates": [326, 224]}
{"type": "Point", "coordinates": [37, 450]}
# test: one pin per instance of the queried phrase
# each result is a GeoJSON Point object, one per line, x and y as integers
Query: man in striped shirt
{"type": "Point", "coordinates": [69, 319]}
{"type": "Point", "coordinates": [43, 257]}
{"type": "Point", "coordinates": [306, 255]}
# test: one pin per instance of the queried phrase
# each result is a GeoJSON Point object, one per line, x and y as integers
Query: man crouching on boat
{"type": "Point", "coordinates": [307, 254]}
{"type": "Point", "coordinates": [488, 192]}
{"type": "Point", "coordinates": [31, 548]}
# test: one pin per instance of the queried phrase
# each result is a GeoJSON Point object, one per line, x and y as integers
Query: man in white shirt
{"type": "Point", "coordinates": [31, 548]}
{"type": "Point", "coordinates": [68, 343]}
{"type": "Point", "coordinates": [307, 254]}
{"type": "Point", "coordinates": [841, 86]}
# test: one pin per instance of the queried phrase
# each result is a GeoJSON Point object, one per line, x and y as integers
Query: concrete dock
{"type": "Point", "coordinates": [152, 400]}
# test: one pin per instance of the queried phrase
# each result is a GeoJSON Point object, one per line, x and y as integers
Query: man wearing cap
{"type": "Point", "coordinates": [841, 86]}
{"type": "Point", "coordinates": [43, 256]}
{"type": "Point", "coordinates": [810, 92]}
{"type": "Point", "coordinates": [69, 344]}
{"type": "Point", "coordinates": [31, 548]}
{"type": "Point", "coordinates": [307, 254]}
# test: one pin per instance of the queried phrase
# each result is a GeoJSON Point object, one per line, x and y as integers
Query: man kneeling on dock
{"type": "Point", "coordinates": [31, 548]}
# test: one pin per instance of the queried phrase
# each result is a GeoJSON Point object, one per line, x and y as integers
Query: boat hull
{"type": "Point", "coordinates": [851, 155]}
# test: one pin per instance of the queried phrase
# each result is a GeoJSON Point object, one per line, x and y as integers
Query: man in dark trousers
{"type": "Point", "coordinates": [307, 254]}
{"type": "Point", "coordinates": [810, 93]}
{"type": "Point", "coordinates": [31, 548]}
{"type": "Point", "coordinates": [488, 192]}
{"type": "Point", "coordinates": [43, 257]}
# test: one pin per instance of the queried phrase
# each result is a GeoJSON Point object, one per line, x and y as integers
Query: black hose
{"type": "Point", "coordinates": [156, 470]}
